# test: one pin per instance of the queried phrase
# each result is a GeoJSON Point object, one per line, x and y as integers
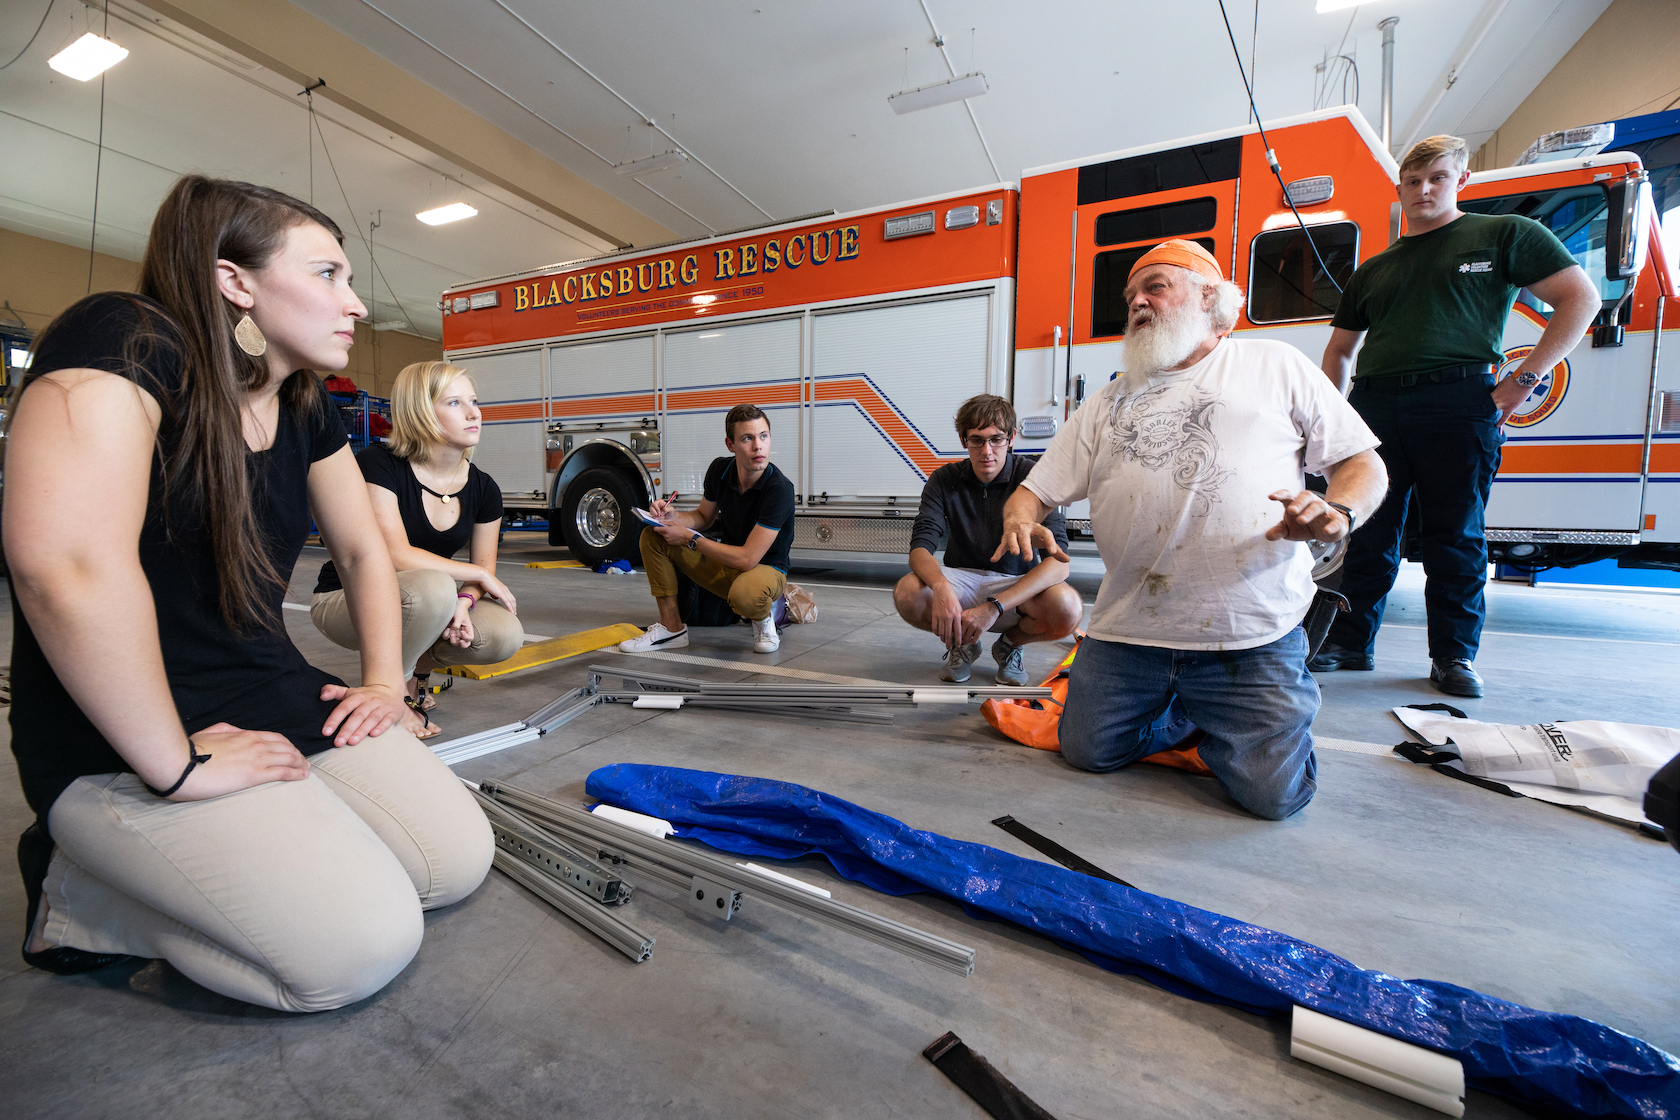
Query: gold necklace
{"type": "Point", "coordinates": [444, 498]}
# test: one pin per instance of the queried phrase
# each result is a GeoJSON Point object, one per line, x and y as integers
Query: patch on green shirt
{"type": "Point", "coordinates": [1440, 299]}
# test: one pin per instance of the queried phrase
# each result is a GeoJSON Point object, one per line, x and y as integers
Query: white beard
{"type": "Point", "coordinates": [1160, 342]}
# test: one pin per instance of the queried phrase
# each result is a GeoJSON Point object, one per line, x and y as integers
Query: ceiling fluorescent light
{"type": "Point", "coordinates": [454, 212]}
{"type": "Point", "coordinates": [649, 164]}
{"type": "Point", "coordinates": [391, 325]}
{"type": "Point", "coordinates": [1337, 5]}
{"type": "Point", "coordinates": [87, 58]}
{"type": "Point", "coordinates": [939, 93]}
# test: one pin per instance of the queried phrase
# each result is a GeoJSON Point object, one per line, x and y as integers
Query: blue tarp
{"type": "Point", "coordinates": [1557, 1061]}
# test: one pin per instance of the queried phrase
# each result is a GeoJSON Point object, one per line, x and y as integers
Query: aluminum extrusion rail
{"type": "Point", "coordinates": [680, 865]}
{"type": "Point", "coordinates": [524, 840]}
{"type": "Point", "coordinates": [561, 894]}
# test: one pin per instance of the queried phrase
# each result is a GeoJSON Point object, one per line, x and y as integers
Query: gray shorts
{"type": "Point", "coordinates": [974, 585]}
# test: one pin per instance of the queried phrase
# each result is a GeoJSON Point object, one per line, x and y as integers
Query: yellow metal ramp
{"type": "Point", "coordinates": [554, 649]}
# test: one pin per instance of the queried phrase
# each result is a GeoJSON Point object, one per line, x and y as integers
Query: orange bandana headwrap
{"type": "Point", "coordinates": [1185, 254]}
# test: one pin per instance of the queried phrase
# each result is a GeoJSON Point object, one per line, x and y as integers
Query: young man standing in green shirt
{"type": "Point", "coordinates": [1431, 311]}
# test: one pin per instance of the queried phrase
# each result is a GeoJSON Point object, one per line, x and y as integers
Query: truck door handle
{"type": "Point", "coordinates": [1055, 349]}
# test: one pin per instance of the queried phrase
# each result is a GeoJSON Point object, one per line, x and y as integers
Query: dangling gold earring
{"type": "Point", "coordinates": [250, 337]}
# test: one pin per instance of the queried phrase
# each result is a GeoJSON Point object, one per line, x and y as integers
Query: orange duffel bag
{"type": "Point", "coordinates": [1036, 722]}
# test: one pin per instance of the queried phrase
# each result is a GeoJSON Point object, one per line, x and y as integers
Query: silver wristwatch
{"type": "Point", "coordinates": [1527, 378]}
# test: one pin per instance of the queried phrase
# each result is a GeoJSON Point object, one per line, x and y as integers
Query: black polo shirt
{"type": "Point", "coordinates": [957, 505]}
{"type": "Point", "coordinates": [767, 502]}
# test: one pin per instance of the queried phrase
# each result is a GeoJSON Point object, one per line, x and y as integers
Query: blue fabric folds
{"type": "Point", "coordinates": [1556, 1061]}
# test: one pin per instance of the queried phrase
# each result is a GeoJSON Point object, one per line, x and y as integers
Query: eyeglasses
{"type": "Point", "coordinates": [993, 442]}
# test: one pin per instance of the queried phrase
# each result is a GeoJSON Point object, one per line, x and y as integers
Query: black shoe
{"type": "Point", "coordinates": [1455, 677]}
{"type": "Point", "coordinates": [35, 849]}
{"type": "Point", "coordinates": [1332, 657]}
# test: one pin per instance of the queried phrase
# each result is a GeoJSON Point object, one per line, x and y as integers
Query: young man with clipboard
{"type": "Point", "coordinates": [750, 504]}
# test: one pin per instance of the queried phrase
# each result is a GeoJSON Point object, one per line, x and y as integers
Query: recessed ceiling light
{"type": "Point", "coordinates": [87, 58]}
{"type": "Point", "coordinates": [454, 212]}
{"type": "Point", "coordinates": [939, 93]}
{"type": "Point", "coordinates": [650, 164]}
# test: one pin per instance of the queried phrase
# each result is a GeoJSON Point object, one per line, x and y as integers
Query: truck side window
{"type": "Point", "coordinates": [1190, 166]}
{"type": "Point", "coordinates": [1109, 272]}
{"type": "Point", "coordinates": [1577, 215]}
{"type": "Point", "coordinates": [1170, 219]}
{"type": "Point", "coordinates": [1285, 284]}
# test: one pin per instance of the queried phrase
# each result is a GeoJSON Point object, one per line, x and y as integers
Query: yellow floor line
{"type": "Point", "coordinates": [554, 564]}
{"type": "Point", "coordinates": [554, 649]}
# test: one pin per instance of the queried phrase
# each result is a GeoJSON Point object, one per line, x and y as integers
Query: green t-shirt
{"type": "Point", "coordinates": [1440, 299]}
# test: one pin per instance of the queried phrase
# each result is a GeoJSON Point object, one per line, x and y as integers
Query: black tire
{"type": "Point", "coordinates": [595, 517]}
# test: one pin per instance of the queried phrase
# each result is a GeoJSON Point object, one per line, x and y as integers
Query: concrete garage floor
{"type": "Point", "coordinates": [512, 1011]}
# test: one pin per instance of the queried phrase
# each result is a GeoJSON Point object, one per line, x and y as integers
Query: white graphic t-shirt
{"type": "Point", "coordinates": [1178, 468]}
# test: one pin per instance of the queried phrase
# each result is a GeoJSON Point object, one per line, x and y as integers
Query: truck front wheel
{"type": "Point", "coordinates": [595, 517]}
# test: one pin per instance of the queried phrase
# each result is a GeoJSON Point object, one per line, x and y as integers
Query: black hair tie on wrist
{"type": "Point", "coordinates": [193, 759]}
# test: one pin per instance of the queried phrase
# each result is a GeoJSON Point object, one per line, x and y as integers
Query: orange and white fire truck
{"type": "Point", "coordinates": [605, 381]}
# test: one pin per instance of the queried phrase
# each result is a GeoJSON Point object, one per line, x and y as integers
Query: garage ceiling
{"type": "Point", "coordinates": [780, 105]}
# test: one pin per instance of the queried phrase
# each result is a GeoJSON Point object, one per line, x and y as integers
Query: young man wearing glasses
{"type": "Point", "coordinates": [1022, 599]}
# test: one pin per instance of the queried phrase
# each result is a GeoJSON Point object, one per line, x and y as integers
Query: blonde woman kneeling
{"type": "Point", "coordinates": [430, 502]}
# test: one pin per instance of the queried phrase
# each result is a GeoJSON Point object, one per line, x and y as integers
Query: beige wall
{"type": "Point", "coordinates": [40, 278]}
{"type": "Point", "coordinates": [379, 356]}
{"type": "Point", "coordinates": [1626, 64]}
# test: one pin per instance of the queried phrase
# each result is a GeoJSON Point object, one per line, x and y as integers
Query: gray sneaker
{"type": "Point", "coordinates": [957, 662]}
{"type": "Point", "coordinates": [1011, 665]}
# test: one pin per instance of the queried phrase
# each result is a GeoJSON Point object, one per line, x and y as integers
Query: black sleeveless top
{"type": "Point", "coordinates": [257, 680]}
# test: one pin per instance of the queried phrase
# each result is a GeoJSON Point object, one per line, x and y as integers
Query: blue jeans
{"type": "Point", "coordinates": [1445, 441]}
{"type": "Point", "coordinates": [1255, 706]}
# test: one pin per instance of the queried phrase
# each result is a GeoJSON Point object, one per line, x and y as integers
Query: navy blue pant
{"type": "Point", "coordinates": [1441, 440]}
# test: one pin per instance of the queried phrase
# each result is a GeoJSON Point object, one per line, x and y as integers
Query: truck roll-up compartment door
{"type": "Point", "coordinates": [887, 383]}
{"type": "Point", "coordinates": [510, 394]}
{"type": "Point", "coordinates": [712, 369]}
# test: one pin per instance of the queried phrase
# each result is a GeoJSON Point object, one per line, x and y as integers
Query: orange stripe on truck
{"type": "Point", "coordinates": [1580, 458]}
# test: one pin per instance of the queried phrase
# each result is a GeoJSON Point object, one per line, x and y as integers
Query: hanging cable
{"type": "Point", "coordinates": [98, 160]}
{"type": "Point", "coordinates": [1271, 156]}
{"type": "Point", "coordinates": [366, 244]}
{"type": "Point", "coordinates": [37, 34]}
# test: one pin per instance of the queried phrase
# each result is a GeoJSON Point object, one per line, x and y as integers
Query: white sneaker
{"type": "Point", "coordinates": [656, 637]}
{"type": "Point", "coordinates": [765, 638]}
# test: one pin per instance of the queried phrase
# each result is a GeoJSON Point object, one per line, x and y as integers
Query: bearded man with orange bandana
{"type": "Point", "coordinates": [1194, 460]}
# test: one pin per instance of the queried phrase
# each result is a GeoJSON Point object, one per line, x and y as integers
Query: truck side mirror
{"type": "Point", "coordinates": [1627, 228]}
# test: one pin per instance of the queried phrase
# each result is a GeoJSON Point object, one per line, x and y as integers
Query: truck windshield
{"type": "Point", "coordinates": [1577, 216]}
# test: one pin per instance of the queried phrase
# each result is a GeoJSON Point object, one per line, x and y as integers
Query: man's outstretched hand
{"type": "Point", "coordinates": [1307, 517]}
{"type": "Point", "coordinates": [1020, 538]}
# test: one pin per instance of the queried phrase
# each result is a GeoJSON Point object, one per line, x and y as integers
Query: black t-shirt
{"type": "Point", "coordinates": [767, 502]}
{"type": "Point", "coordinates": [257, 680]}
{"type": "Point", "coordinates": [969, 513]}
{"type": "Point", "coordinates": [481, 503]}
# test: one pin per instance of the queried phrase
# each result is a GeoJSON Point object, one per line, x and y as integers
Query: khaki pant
{"type": "Point", "coordinates": [428, 603]}
{"type": "Point", "coordinates": [752, 595]}
{"type": "Point", "coordinates": [300, 896]}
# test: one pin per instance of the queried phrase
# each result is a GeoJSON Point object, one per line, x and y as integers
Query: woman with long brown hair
{"type": "Point", "coordinates": [431, 501]}
{"type": "Point", "coordinates": [202, 793]}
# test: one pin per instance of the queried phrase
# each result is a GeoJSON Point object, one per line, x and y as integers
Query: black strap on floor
{"type": "Point", "coordinates": [981, 1080]}
{"type": "Point", "coordinates": [1055, 851]}
{"type": "Point", "coordinates": [1437, 761]}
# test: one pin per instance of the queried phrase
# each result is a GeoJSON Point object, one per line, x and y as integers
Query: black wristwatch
{"type": "Point", "coordinates": [1346, 512]}
{"type": "Point", "coordinates": [694, 542]}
